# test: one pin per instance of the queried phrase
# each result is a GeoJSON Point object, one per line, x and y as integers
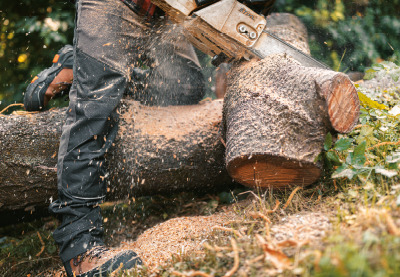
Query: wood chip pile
{"type": "Point", "coordinates": [177, 236]}
{"type": "Point", "coordinates": [302, 226]}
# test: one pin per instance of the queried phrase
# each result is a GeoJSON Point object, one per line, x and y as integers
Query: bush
{"type": "Point", "coordinates": [349, 35]}
{"type": "Point", "coordinates": [31, 32]}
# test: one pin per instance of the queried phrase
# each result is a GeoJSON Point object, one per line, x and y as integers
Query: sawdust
{"type": "Point", "coordinates": [177, 236]}
{"type": "Point", "coordinates": [311, 226]}
{"type": "Point", "coordinates": [191, 234]}
{"type": "Point", "coordinates": [186, 235]}
{"type": "Point", "coordinates": [172, 122]}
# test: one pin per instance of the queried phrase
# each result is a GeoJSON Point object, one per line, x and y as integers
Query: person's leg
{"type": "Point", "coordinates": [175, 76]}
{"type": "Point", "coordinates": [107, 36]}
{"type": "Point", "coordinates": [61, 82]}
{"type": "Point", "coordinates": [183, 85]}
{"type": "Point", "coordinates": [51, 81]}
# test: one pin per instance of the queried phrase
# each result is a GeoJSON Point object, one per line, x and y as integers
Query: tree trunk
{"type": "Point", "coordinates": [277, 114]}
{"type": "Point", "coordinates": [158, 150]}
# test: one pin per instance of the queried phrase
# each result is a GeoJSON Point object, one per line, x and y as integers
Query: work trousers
{"type": "Point", "coordinates": [110, 41]}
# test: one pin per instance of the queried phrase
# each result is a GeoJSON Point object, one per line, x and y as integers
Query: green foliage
{"type": "Point", "coordinates": [349, 35]}
{"type": "Point", "coordinates": [382, 70]}
{"type": "Point", "coordinates": [27, 247]}
{"type": "Point", "coordinates": [31, 32]}
{"type": "Point", "coordinates": [375, 256]}
{"type": "Point", "coordinates": [370, 151]}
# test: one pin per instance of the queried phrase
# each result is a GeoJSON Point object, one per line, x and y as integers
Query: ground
{"type": "Point", "coordinates": [306, 232]}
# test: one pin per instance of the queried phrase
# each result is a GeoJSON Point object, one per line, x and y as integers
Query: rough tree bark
{"type": "Point", "coordinates": [158, 150]}
{"type": "Point", "coordinates": [277, 114]}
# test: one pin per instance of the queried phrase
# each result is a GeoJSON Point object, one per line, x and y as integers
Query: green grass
{"type": "Point", "coordinates": [24, 248]}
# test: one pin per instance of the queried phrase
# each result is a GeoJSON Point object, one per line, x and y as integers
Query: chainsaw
{"type": "Point", "coordinates": [229, 30]}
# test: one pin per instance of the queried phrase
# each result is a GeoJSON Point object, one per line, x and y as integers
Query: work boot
{"type": "Point", "coordinates": [53, 81]}
{"type": "Point", "coordinates": [101, 261]}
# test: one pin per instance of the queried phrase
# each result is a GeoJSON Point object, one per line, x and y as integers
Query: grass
{"type": "Point", "coordinates": [26, 247]}
{"type": "Point", "coordinates": [353, 214]}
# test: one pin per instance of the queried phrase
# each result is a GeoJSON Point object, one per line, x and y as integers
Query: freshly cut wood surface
{"type": "Point", "coordinates": [341, 98]}
{"type": "Point", "coordinates": [272, 171]}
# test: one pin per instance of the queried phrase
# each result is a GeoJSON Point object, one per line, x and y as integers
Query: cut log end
{"type": "Point", "coordinates": [268, 171]}
{"type": "Point", "coordinates": [343, 104]}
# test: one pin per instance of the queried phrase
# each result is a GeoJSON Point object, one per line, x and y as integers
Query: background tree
{"type": "Point", "coordinates": [31, 31]}
{"type": "Point", "coordinates": [349, 35]}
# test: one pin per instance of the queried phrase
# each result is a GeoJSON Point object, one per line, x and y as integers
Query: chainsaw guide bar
{"type": "Point", "coordinates": [269, 44]}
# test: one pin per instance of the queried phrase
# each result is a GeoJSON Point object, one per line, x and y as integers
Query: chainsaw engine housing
{"type": "Point", "coordinates": [226, 26]}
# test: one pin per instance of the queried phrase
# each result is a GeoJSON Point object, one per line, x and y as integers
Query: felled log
{"type": "Point", "coordinates": [158, 150]}
{"type": "Point", "coordinates": [167, 149]}
{"type": "Point", "coordinates": [277, 114]}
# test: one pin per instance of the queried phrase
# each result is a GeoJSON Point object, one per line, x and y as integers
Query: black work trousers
{"type": "Point", "coordinates": [110, 40]}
